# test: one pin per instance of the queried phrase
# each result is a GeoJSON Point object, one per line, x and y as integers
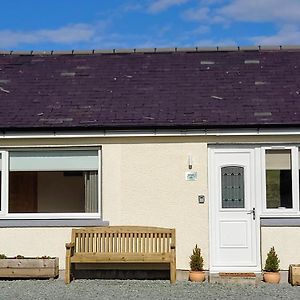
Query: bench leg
{"type": "Point", "coordinates": [172, 272]}
{"type": "Point", "coordinates": [68, 270]}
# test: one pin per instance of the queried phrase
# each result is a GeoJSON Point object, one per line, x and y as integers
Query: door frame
{"type": "Point", "coordinates": [258, 198]}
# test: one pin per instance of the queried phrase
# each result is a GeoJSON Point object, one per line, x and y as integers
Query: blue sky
{"type": "Point", "coordinates": [106, 24]}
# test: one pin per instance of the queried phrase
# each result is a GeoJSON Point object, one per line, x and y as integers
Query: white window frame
{"type": "Point", "coordinates": [5, 215]}
{"type": "Point", "coordinates": [295, 183]}
{"type": "Point", "coordinates": [4, 185]}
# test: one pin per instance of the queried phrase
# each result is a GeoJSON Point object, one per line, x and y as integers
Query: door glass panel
{"type": "Point", "coordinates": [232, 181]}
{"type": "Point", "coordinates": [279, 178]}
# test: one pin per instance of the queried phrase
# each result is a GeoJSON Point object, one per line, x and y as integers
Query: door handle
{"type": "Point", "coordinates": [252, 211]}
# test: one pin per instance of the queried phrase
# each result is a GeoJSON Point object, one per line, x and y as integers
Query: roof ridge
{"type": "Point", "coordinates": [152, 50]}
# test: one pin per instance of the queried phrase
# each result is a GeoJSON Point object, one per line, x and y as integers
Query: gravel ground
{"type": "Point", "coordinates": [134, 289]}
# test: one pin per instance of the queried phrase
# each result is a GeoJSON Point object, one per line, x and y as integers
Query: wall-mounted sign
{"type": "Point", "coordinates": [191, 176]}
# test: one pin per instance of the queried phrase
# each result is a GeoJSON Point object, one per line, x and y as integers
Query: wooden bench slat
{"type": "Point", "coordinates": [128, 229]}
{"type": "Point", "coordinates": [121, 244]}
{"type": "Point", "coordinates": [114, 257]}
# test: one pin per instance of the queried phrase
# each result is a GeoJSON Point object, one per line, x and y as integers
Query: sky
{"type": "Point", "coordinates": [117, 24]}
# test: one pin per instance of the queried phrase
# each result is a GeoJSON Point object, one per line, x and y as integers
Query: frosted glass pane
{"type": "Point", "coordinates": [232, 181]}
{"type": "Point", "coordinates": [56, 160]}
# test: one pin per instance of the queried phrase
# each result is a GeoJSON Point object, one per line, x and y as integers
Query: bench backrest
{"type": "Point", "coordinates": [123, 239]}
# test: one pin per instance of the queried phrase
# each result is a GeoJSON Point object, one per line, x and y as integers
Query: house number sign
{"type": "Point", "coordinates": [191, 176]}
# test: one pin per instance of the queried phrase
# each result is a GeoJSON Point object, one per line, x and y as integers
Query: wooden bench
{"type": "Point", "coordinates": [121, 244]}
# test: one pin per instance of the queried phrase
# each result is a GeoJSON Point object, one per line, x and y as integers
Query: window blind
{"type": "Point", "coordinates": [54, 160]}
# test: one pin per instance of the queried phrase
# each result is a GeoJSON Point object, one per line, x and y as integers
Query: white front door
{"type": "Point", "coordinates": [234, 223]}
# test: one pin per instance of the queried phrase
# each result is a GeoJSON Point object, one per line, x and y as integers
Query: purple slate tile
{"type": "Point", "coordinates": [150, 90]}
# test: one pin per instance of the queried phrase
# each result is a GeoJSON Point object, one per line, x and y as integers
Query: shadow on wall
{"type": "Point", "coordinates": [121, 271]}
{"type": "Point", "coordinates": [122, 274]}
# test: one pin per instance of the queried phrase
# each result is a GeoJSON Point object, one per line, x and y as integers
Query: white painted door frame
{"type": "Point", "coordinates": [217, 215]}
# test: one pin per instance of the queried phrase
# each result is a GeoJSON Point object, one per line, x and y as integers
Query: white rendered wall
{"type": "Point", "coordinates": [286, 241]}
{"type": "Point", "coordinates": [144, 184]}
{"type": "Point", "coordinates": [33, 242]}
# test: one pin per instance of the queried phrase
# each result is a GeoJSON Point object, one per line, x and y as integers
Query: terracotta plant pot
{"type": "Point", "coordinates": [272, 277]}
{"type": "Point", "coordinates": [197, 276]}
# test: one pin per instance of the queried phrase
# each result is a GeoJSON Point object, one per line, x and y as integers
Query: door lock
{"type": "Point", "coordinates": [252, 211]}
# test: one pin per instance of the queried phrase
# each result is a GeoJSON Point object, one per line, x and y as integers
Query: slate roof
{"type": "Point", "coordinates": [154, 89]}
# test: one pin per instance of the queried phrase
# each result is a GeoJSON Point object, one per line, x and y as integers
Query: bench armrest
{"type": "Point", "coordinates": [70, 245]}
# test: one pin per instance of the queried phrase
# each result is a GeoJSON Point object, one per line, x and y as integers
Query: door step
{"type": "Point", "coordinates": [242, 278]}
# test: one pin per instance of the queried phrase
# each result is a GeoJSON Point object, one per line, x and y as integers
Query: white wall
{"type": "Point", "coordinates": [286, 241]}
{"type": "Point", "coordinates": [33, 242]}
{"type": "Point", "coordinates": [144, 184]}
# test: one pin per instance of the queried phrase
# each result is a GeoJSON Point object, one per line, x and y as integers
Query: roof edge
{"type": "Point", "coordinates": [154, 50]}
{"type": "Point", "coordinates": [149, 127]}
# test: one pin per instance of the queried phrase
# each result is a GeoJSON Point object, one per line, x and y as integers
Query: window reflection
{"type": "Point", "coordinates": [278, 178]}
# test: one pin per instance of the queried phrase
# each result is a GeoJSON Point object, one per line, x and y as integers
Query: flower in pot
{"type": "Point", "coordinates": [196, 264]}
{"type": "Point", "coordinates": [271, 274]}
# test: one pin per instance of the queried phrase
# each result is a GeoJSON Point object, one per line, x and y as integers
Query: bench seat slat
{"type": "Point", "coordinates": [121, 244]}
{"type": "Point", "coordinates": [115, 257]}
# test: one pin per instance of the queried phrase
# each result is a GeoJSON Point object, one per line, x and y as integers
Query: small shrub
{"type": "Point", "coordinates": [196, 260]}
{"type": "Point", "coordinates": [272, 261]}
{"type": "Point", "coordinates": [2, 256]}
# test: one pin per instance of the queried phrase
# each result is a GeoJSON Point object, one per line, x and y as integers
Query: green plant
{"type": "Point", "coordinates": [2, 256]}
{"type": "Point", "coordinates": [196, 260]}
{"type": "Point", "coordinates": [272, 261]}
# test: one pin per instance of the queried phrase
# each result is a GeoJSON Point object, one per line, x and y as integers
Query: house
{"type": "Point", "coordinates": [202, 140]}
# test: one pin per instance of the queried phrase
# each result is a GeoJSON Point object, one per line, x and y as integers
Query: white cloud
{"type": "Point", "coordinates": [261, 10]}
{"type": "Point", "coordinates": [283, 15]}
{"type": "Point", "coordinates": [200, 30]}
{"type": "Point", "coordinates": [275, 11]}
{"type": "Point", "coordinates": [215, 42]}
{"type": "Point", "coordinates": [201, 14]}
{"type": "Point", "coordinates": [287, 35]}
{"type": "Point", "coordinates": [69, 34]}
{"type": "Point", "coordinates": [128, 7]}
{"type": "Point", "coordinates": [160, 5]}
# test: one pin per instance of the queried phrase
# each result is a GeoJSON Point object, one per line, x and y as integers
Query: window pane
{"type": "Point", "coordinates": [278, 178]}
{"type": "Point", "coordinates": [53, 160]}
{"type": "Point", "coordinates": [53, 192]}
{"type": "Point", "coordinates": [232, 187]}
{"type": "Point", "coordinates": [0, 180]}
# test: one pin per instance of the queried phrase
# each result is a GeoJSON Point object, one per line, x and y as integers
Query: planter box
{"type": "Point", "coordinates": [294, 274]}
{"type": "Point", "coordinates": [29, 268]}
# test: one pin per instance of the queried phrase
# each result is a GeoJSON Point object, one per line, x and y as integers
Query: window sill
{"type": "Point", "coordinates": [52, 223]}
{"type": "Point", "coordinates": [280, 221]}
{"type": "Point", "coordinates": [277, 213]}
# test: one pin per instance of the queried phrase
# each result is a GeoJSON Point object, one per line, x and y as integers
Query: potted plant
{"type": "Point", "coordinates": [271, 274]}
{"type": "Point", "coordinates": [196, 264]}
